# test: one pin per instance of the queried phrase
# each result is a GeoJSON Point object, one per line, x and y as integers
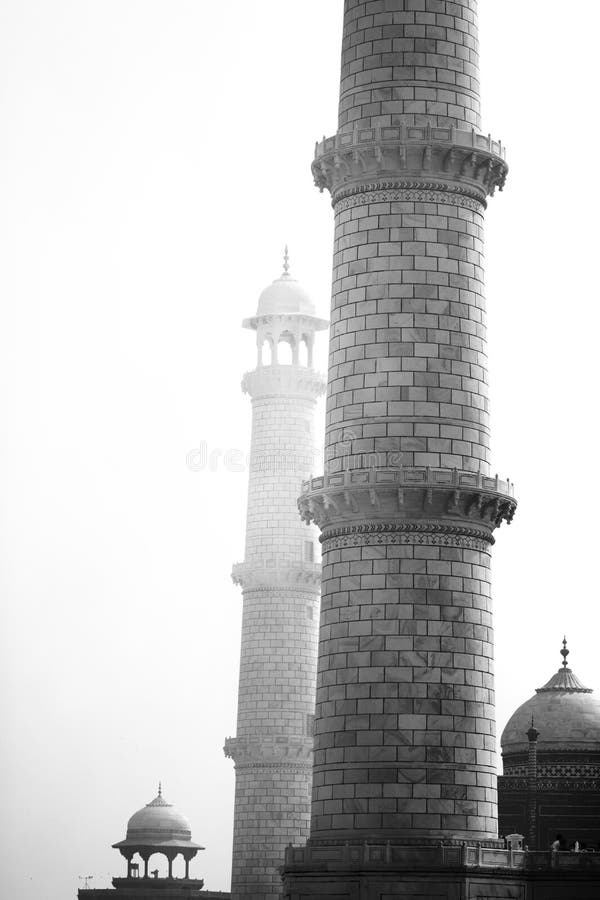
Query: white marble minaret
{"type": "Point", "coordinates": [280, 580]}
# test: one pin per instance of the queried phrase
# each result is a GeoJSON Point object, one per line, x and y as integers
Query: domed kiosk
{"type": "Point", "coordinates": [551, 764]}
{"type": "Point", "coordinates": [157, 828]}
{"type": "Point", "coordinates": [285, 322]}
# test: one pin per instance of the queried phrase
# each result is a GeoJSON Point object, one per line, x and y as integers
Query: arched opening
{"type": "Point", "coordinates": [266, 353]}
{"type": "Point", "coordinates": [285, 349]}
{"type": "Point", "coordinates": [303, 354]}
{"type": "Point", "coordinates": [157, 865]}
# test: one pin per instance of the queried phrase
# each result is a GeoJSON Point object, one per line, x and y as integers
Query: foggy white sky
{"type": "Point", "coordinates": [155, 156]}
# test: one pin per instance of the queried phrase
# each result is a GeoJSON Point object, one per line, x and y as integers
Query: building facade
{"type": "Point", "coordinates": [551, 766]}
{"type": "Point", "coordinates": [280, 580]}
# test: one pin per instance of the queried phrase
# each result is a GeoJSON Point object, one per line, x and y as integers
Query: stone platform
{"type": "Point", "coordinates": [446, 871]}
{"type": "Point", "coordinates": [153, 889]}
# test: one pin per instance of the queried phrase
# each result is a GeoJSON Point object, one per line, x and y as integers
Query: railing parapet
{"type": "Point", "coordinates": [406, 134]}
{"type": "Point", "coordinates": [407, 476]}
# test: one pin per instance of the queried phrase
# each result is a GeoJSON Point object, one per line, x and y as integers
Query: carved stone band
{"type": "Point", "coordinates": [437, 158]}
{"type": "Point", "coordinates": [403, 192]}
{"type": "Point", "coordinates": [429, 534]}
{"type": "Point", "coordinates": [408, 494]}
{"type": "Point", "coordinates": [305, 576]}
{"type": "Point", "coordinates": [269, 751]}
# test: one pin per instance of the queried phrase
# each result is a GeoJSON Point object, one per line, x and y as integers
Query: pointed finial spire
{"type": "Point", "coordinates": [160, 788]}
{"type": "Point", "coordinates": [286, 261]}
{"type": "Point", "coordinates": [533, 734]}
{"type": "Point", "coordinates": [564, 652]}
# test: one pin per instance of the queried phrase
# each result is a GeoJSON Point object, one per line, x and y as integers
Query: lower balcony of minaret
{"type": "Point", "coordinates": [421, 494]}
{"type": "Point", "coordinates": [252, 576]}
{"type": "Point", "coordinates": [270, 751]}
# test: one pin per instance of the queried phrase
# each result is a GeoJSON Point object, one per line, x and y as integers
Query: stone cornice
{"type": "Point", "coordinates": [296, 751]}
{"type": "Point", "coordinates": [284, 381]}
{"type": "Point", "coordinates": [427, 158]}
{"type": "Point", "coordinates": [304, 576]}
{"type": "Point", "coordinates": [414, 495]}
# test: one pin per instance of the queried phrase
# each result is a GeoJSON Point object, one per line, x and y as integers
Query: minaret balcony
{"type": "Point", "coordinates": [252, 576]}
{"type": "Point", "coordinates": [426, 157]}
{"type": "Point", "coordinates": [284, 381]}
{"type": "Point", "coordinates": [460, 498]}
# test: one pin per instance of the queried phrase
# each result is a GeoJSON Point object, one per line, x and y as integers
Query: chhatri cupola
{"type": "Point", "coordinates": [285, 322]}
{"type": "Point", "coordinates": [158, 828]}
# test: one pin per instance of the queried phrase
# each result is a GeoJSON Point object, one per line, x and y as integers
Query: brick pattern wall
{"type": "Point", "coordinates": [409, 62]}
{"type": "Point", "coordinates": [404, 740]}
{"type": "Point", "coordinates": [407, 366]}
{"type": "Point", "coordinates": [272, 809]}
{"type": "Point", "coordinates": [278, 663]}
{"type": "Point", "coordinates": [282, 454]}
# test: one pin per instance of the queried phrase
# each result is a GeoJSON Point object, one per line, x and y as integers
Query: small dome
{"type": "Point", "coordinates": [565, 713]}
{"type": "Point", "coordinates": [158, 820]}
{"type": "Point", "coordinates": [158, 824]}
{"type": "Point", "coordinates": [285, 296]}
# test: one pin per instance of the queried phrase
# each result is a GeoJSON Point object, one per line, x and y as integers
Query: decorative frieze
{"type": "Point", "coordinates": [396, 191]}
{"type": "Point", "coordinates": [560, 784]}
{"type": "Point", "coordinates": [431, 534]}
{"type": "Point", "coordinates": [429, 158]}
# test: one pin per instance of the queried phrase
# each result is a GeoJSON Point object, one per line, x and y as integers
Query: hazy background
{"type": "Point", "coordinates": [154, 158]}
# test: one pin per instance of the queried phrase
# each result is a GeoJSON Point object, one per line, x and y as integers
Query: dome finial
{"type": "Point", "coordinates": [160, 788]}
{"type": "Point", "coordinates": [564, 652]}
{"type": "Point", "coordinates": [286, 261]}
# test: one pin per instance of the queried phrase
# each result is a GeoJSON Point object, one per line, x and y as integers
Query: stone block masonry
{"type": "Point", "coordinates": [415, 61]}
{"type": "Point", "coordinates": [416, 700]}
{"type": "Point", "coordinates": [408, 368]}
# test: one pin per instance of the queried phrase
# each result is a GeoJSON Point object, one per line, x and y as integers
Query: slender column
{"type": "Point", "coordinates": [280, 581]}
{"type": "Point", "coordinates": [404, 726]}
{"type": "Point", "coordinates": [532, 737]}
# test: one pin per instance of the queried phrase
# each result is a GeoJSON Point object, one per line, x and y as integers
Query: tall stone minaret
{"type": "Point", "coordinates": [280, 580]}
{"type": "Point", "coordinates": [404, 726]}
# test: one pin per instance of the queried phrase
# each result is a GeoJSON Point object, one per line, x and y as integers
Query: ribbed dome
{"type": "Point", "coordinates": [160, 821]}
{"type": "Point", "coordinates": [565, 713]}
{"type": "Point", "coordinates": [285, 296]}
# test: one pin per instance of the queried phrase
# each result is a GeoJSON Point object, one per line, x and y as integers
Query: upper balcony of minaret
{"type": "Point", "coordinates": [285, 324]}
